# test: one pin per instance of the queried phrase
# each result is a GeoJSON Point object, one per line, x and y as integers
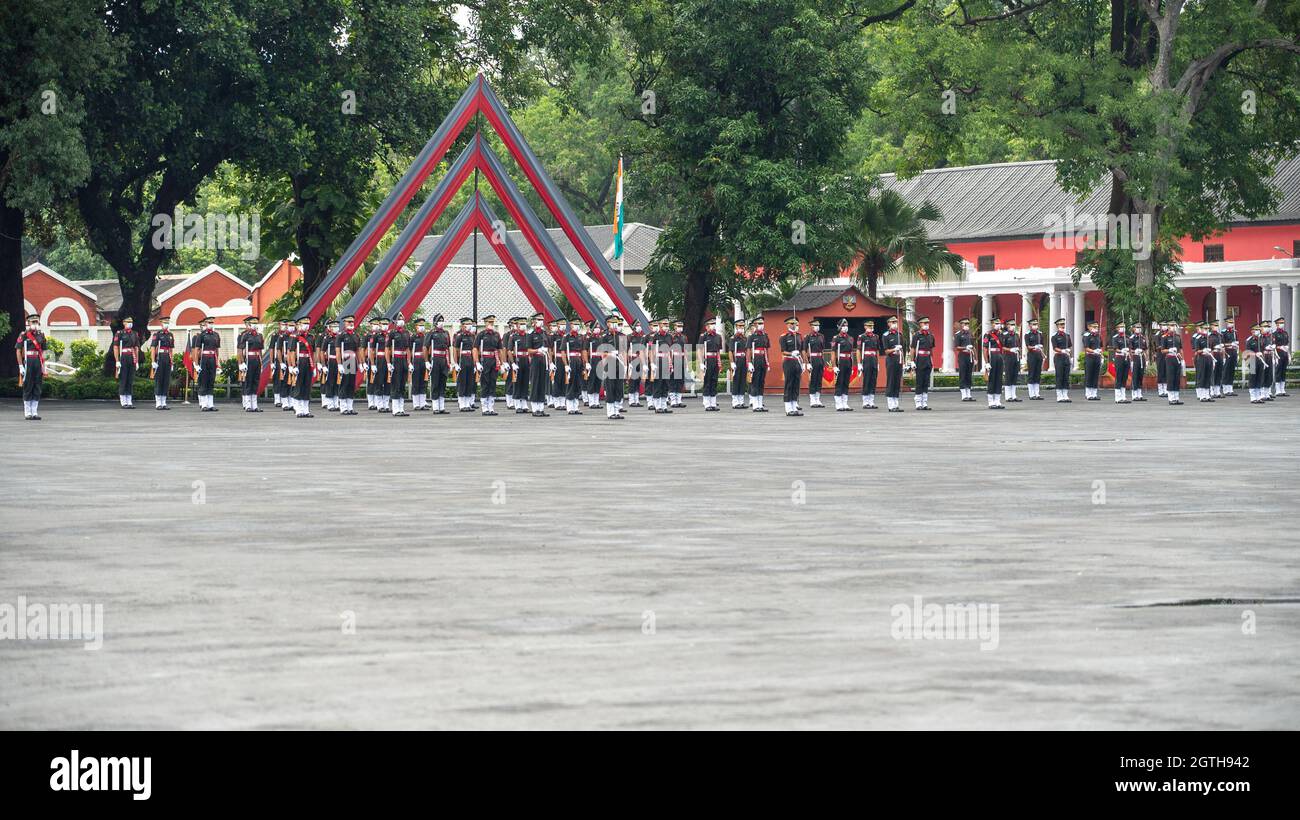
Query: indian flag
{"type": "Point", "coordinates": [618, 211]}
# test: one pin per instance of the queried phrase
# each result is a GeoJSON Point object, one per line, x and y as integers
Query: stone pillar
{"type": "Point", "coordinates": [1266, 303]}
{"type": "Point", "coordinates": [986, 318]}
{"type": "Point", "coordinates": [1053, 313]}
{"type": "Point", "coordinates": [1295, 315]}
{"type": "Point", "coordinates": [1076, 324]}
{"type": "Point", "coordinates": [1026, 313]}
{"type": "Point", "coordinates": [949, 355]}
{"type": "Point", "coordinates": [909, 312]}
{"type": "Point", "coordinates": [1220, 302]}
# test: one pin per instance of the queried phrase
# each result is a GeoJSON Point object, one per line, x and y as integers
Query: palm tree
{"type": "Point", "coordinates": [890, 240]}
{"type": "Point", "coordinates": [780, 291]}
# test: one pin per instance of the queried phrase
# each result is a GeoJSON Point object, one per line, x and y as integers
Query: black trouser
{"type": "Point", "coordinates": [1229, 368]}
{"type": "Point", "coordinates": [791, 371]}
{"type": "Point", "coordinates": [401, 369]}
{"type": "Point", "coordinates": [1062, 364]}
{"type": "Point", "coordinates": [330, 388]}
{"type": "Point", "coordinates": [538, 375]}
{"type": "Point", "coordinates": [995, 374]}
{"type": "Point", "coordinates": [759, 376]}
{"type": "Point", "coordinates": [924, 370]}
{"type": "Point", "coordinates": [845, 364]}
{"type": "Point", "coordinates": [1160, 369]}
{"type": "Point", "coordinates": [346, 387]}
{"type": "Point", "coordinates": [207, 375]}
{"type": "Point", "coordinates": [277, 379]}
{"type": "Point", "coordinates": [487, 380]}
{"type": "Point", "coordinates": [419, 376]}
{"type": "Point", "coordinates": [662, 381]}
{"type": "Point", "coordinates": [965, 368]}
{"type": "Point", "coordinates": [379, 375]}
{"type": "Point", "coordinates": [1035, 367]}
{"type": "Point", "coordinates": [1216, 377]}
{"type": "Point", "coordinates": [1173, 373]}
{"type": "Point", "coordinates": [573, 387]}
{"type": "Point", "coordinates": [560, 378]}
{"type": "Point", "coordinates": [302, 387]}
{"type": "Point", "coordinates": [1204, 371]}
{"type": "Point", "coordinates": [1283, 362]}
{"type": "Point", "coordinates": [679, 372]}
{"type": "Point", "coordinates": [162, 376]}
{"type": "Point", "coordinates": [593, 378]}
{"type": "Point", "coordinates": [1121, 372]}
{"type": "Point", "coordinates": [1256, 368]}
{"type": "Point", "coordinates": [33, 378]}
{"type": "Point", "coordinates": [635, 373]}
{"type": "Point", "coordinates": [252, 375]}
{"type": "Point", "coordinates": [870, 374]}
{"type": "Point", "coordinates": [1010, 369]}
{"type": "Point", "coordinates": [710, 375]}
{"type": "Point", "coordinates": [1268, 372]}
{"type": "Point", "coordinates": [465, 377]}
{"type": "Point", "coordinates": [126, 375]}
{"type": "Point", "coordinates": [1091, 371]}
{"type": "Point", "coordinates": [739, 376]}
{"type": "Point", "coordinates": [1137, 370]}
{"type": "Point", "coordinates": [438, 376]}
{"type": "Point", "coordinates": [816, 370]}
{"type": "Point", "coordinates": [613, 379]}
{"type": "Point", "coordinates": [520, 377]}
{"type": "Point", "coordinates": [893, 376]}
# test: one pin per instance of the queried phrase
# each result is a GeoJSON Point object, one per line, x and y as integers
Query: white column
{"type": "Point", "coordinates": [986, 315]}
{"type": "Point", "coordinates": [1076, 323]}
{"type": "Point", "coordinates": [1220, 302]}
{"type": "Point", "coordinates": [1053, 313]}
{"type": "Point", "coordinates": [1295, 315]}
{"type": "Point", "coordinates": [1266, 303]}
{"type": "Point", "coordinates": [949, 355]}
{"type": "Point", "coordinates": [1026, 313]}
{"type": "Point", "coordinates": [909, 312]}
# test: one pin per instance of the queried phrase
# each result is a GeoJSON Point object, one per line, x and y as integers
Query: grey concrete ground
{"type": "Point", "coordinates": [695, 570]}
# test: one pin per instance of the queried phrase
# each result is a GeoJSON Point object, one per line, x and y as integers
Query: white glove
{"type": "Point", "coordinates": [731, 368]}
{"type": "Point", "coordinates": [243, 367]}
{"type": "Point", "coordinates": [293, 370]}
{"type": "Point", "coordinates": [390, 368]}
{"type": "Point", "coordinates": [478, 367]}
{"type": "Point", "coordinates": [751, 367]}
{"type": "Point", "coordinates": [117, 369]}
{"type": "Point", "coordinates": [836, 370]}
{"type": "Point", "coordinates": [551, 368]}
{"type": "Point", "coordinates": [807, 367]}
{"type": "Point", "coordinates": [514, 366]}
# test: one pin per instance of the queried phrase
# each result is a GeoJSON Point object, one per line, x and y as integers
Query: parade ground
{"type": "Point", "coordinates": [1120, 567]}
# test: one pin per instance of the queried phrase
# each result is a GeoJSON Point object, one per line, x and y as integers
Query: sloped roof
{"type": "Point", "coordinates": [819, 295]}
{"type": "Point", "coordinates": [108, 293]}
{"type": "Point", "coordinates": [638, 245]}
{"type": "Point", "coordinates": [1011, 199]}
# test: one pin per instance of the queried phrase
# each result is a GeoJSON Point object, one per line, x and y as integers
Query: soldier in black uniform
{"type": "Point", "coordinates": [814, 348]}
{"type": "Point", "coordinates": [438, 352]}
{"type": "Point", "coordinates": [519, 366]}
{"type": "Point", "coordinates": [1035, 358]}
{"type": "Point", "coordinates": [419, 365]}
{"type": "Point", "coordinates": [302, 369]}
{"type": "Point", "coordinates": [399, 365]}
{"type": "Point", "coordinates": [610, 369]}
{"type": "Point", "coordinates": [462, 346]}
{"type": "Point", "coordinates": [759, 343]}
{"type": "Point", "coordinates": [1215, 343]}
{"type": "Point", "coordinates": [558, 385]}
{"type": "Point", "coordinates": [841, 349]}
{"type": "Point", "coordinates": [1231, 355]}
{"type": "Point", "coordinates": [1137, 345]}
{"type": "Point", "coordinates": [591, 373]}
{"type": "Point", "coordinates": [739, 367]}
{"type": "Point", "coordinates": [487, 362]}
{"type": "Point", "coordinates": [924, 345]}
{"type": "Point", "coordinates": [964, 343]}
{"type": "Point", "coordinates": [1062, 360]}
{"type": "Point", "coordinates": [1281, 356]}
{"type": "Point", "coordinates": [1092, 359]}
{"type": "Point", "coordinates": [161, 346]}
{"type": "Point", "coordinates": [206, 353]}
{"type": "Point", "coordinates": [679, 344]}
{"type": "Point", "coordinates": [367, 358]}
{"type": "Point", "coordinates": [1202, 361]}
{"type": "Point", "coordinates": [637, 366]}
{"type": "Point", "coordinates": [126, 352]}
{"type": "Point", "coordinates": [327, 354]}
{"type": "Point", "coordinates": [661, 364]}
{"type": "Point", "coordinates": [792, 366]}
{"type": "Point", "coordinates": [1270, 351]}
{"type": "Point", "coordinates": [507, 359]}
{"type": "Point", "coordinates": [248, 350]}
{"type": "Point", "coordinates": [1161, 330]}
{"type": "Point", "coordinates": [993, 365]}
{"type": "Point", "coordinates": [1122, 357]}
{"type": "Point", "coordinates": [1172, 351]}
{"type": "Point", "coordinates": [274, 344]}
{"type": "Point", "coordinates": [351, 349]}
{"type": "Point", "coordinates": [869, 350]}
{"type": "Point", "coordinates": [1254, 363]}
{"type": "Point", "coordinates": [539, 366]}
{"type": "Point", "coordinates": [383, 367]}
{"type": "Point", "coordinates": [570, 354]}
{"type": "Point", "coordinates": [891, 344]}
{"type": "Point", "coordinates": [30, 351]}
{"type": "Point", "coordinates": [1010, 362]}
{"type": "Point", "coordinates": [711, 348]}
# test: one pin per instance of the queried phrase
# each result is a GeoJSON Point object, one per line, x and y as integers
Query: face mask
{"type": "Point", "coordinates": [400, 323]}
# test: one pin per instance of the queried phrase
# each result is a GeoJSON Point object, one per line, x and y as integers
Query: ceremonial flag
{"type": "Point", "coordinates": [618, 211]}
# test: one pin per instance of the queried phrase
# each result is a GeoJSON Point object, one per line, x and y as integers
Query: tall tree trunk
{"type": "Point", "coordinates": [306, 240]}
{"type": "Point", "coordinates": [699, 278]}
{"type": "Point", "coordinates": [12, 222]}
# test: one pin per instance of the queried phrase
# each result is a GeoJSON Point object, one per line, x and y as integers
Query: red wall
{"type": "Point", "coordinates": [40, 288]}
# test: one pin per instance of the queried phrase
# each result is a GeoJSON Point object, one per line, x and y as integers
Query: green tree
{"type": "Point", "coordinates": [51, 53]}
{"type": "Point", "coordinates": [890, 240]}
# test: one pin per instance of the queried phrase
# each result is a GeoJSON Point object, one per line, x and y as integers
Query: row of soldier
{"type": "Point", "coordinates": [569, 365]}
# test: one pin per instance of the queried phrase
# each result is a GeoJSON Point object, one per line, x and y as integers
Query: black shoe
{"type": "Point", "coordinates": [848, 409]}
{"type": "Point", "coordinates": [1035, 398]}
{"type": "Point", "coordinates": [307, 416]}
{"type": "Point", "coordinates": [1176, 401]}
{"type": "Point", "coordinates": [1139, 399]}
{"type": "Point", "coordinates": [872, 407]}
{"type": "Point", "coordinates": [541, 414]}
{"type": "Point", "coordinates": [1067, 401]}
{"type": "Point", "coordinates": [924, 407]}
{"type": "Point", "coordinates": [36, 418]}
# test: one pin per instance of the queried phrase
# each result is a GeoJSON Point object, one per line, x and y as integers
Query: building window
{"type": "Point", "coordinates": [985, 263]}
{"type": "Point", "coordinates": [1295, 248]}
{"type": "Point", "coordinates": [1213, 253]}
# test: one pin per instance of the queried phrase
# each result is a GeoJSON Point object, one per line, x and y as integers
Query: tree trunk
{"type": "Point", "coordinates": [699, 278]}
{"type": "Point", "coordinates": [306, 241]}
{"type": "Point", "coordinates": [12, 222]}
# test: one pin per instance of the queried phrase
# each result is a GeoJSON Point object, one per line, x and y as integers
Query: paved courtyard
{"type": "Point", "coordinates": [703, 570]}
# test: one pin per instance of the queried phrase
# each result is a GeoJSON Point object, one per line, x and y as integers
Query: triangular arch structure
{"type": "Point", "coordinates": [478, 98]}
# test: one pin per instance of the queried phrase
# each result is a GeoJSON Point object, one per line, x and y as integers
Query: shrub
{"type": "Point", "coordinates": [86, 355]}
{"type": "Point", "coordinates": [54, 347]}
